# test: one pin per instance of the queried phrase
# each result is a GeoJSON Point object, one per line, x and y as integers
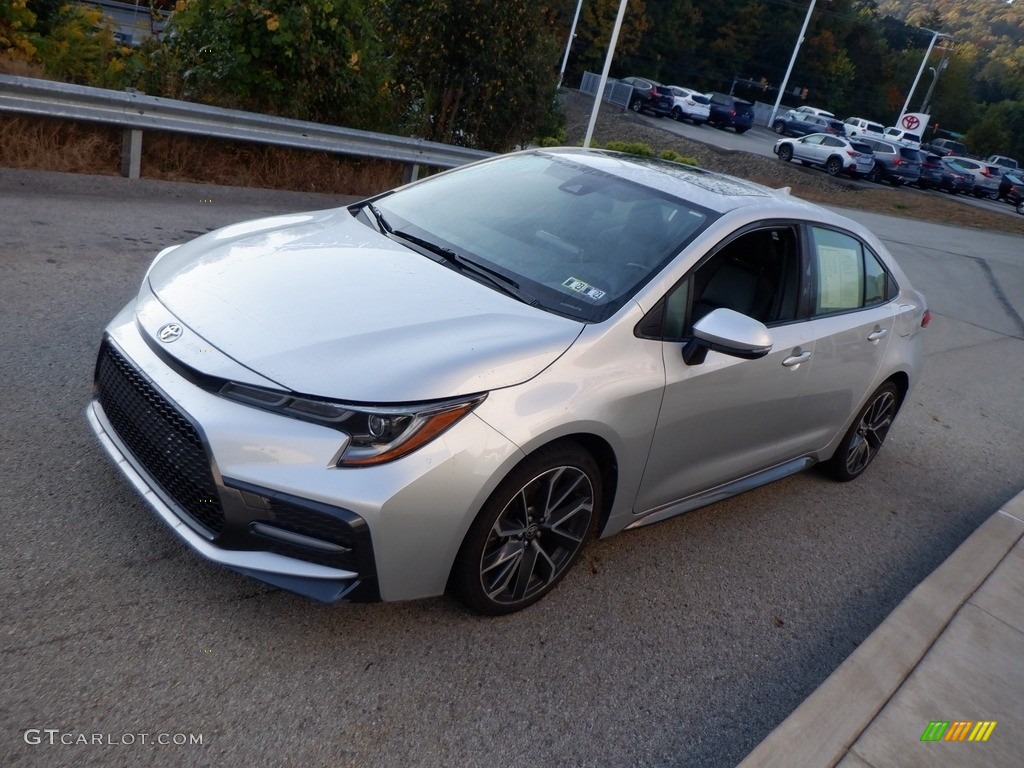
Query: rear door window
{"type": "Point", "coordinates": [846, 275]}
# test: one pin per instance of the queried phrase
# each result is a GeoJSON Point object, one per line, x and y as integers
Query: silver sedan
{"type": "Point", "coordinates": [453, 385]}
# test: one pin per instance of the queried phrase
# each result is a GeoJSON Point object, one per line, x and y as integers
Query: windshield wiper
{"type": "Point", "coordinates": [381, 221]}
{"type": "Point", "coordinates": [494, 278]}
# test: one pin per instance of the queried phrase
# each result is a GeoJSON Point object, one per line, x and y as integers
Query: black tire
{"type": "Point", "coordinates": [833, 166]}
{"type": "Point", "coordinates": [1020, 207]}
{"type": "Point", "coordinates": [677, 114]}
{"type": "Point", "coordinates": [875, 174]}
{"type": "Point", "coordinates": [779, 127]}
{"type": "Point", "coordinates": [530, 531]}
{"type": "Point", "coordinates": [636, 106]}
{"type": "Point", "coordinates": [785, 153]}
{"type": "Point", "coordinates": [896, 181]}
{"type": "Point", "coordinates": [865, 437]}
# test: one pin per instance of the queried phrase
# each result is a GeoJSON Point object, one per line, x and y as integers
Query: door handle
{"type": "Point", "coordinates": [879, 333]}
{"type": "Point", "coordinates": [792, 360]}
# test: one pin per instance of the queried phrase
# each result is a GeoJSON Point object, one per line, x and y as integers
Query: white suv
{"type": "Point", "coordinates": [906, 138]}
{"type": "Point", "coordinates": [690, 105]}
{"type": "Point", "coordinates": [859, 126]}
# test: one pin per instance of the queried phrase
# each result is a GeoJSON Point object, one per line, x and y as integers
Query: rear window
{"type": "Point", "coordinates": [874, 128]}
{"type": "Point", "coordinates": [910, 154]}
{"type": "Point", "coordinates": [701, 99]}
{"type": "Point", "coordinates": [860, 146]}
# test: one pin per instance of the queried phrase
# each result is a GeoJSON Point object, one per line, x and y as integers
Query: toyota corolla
{"type": "Point", "coordinates": [452, 386]}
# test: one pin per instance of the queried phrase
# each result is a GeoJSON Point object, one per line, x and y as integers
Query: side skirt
{"type": "Point", "coordinates": [723, 491]}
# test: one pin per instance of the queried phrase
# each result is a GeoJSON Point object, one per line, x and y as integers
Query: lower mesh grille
{"type": "Point", "coordinates": [160, 437]}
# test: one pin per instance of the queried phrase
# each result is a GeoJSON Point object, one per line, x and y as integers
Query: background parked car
{"type": "Point", "coordinates": [649, 96]}
{"type": "Point", "coordinates": [730, 112]}
{"type": "Point", "coordinates": [946, 147]}
{"type": "Point", "coordinates": [689, 104]}
{"type": "Point", "coordinates": [893, 163]}
{"type": "Point", "coordinates": [986, 177]}
{"type": "Point", "coordinates": [905, 138]}
{"type": "Point", "coordinates": [1007, 163]}
{"type": "Point", "coordinates": [860, 126]}
{"type": "Point", "coordinates": [806, 110]}
{"type": "Point", "coordinates": [803, 124]}
{"type": "Point", "coordinates": [955, 178]}
{"type": "Point", "coordinates": [836, 154]}
{"type": "Point", "coordinates": [931, 171]}
{"type": "Point", "coordinates": [1011, 187]}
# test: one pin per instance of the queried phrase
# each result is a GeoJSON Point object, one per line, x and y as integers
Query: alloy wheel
{"type": "Point", "coordinates": [871, 431]}
{"type": "Point", "coordinates": [536, 536]}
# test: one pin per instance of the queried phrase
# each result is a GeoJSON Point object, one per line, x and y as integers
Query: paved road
{"type": "Point", "coordinates": [680, 644]}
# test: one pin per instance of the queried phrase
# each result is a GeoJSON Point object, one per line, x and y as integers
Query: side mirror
{"type": "Point", "coordinates": [730, 333]}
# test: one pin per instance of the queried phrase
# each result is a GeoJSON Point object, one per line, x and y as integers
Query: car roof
{"type": "Point", "coordinates": [714, 191]}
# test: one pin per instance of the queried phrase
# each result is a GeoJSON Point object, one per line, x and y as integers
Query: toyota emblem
{"type": "Point", "coordinates": [170, 332]}
{"type": "Point", "coordinates": [910, 122]}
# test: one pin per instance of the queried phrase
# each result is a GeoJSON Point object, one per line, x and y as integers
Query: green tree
{"type": "Point", "coordinates": [318, 60]}
{"type": "Point", "coordinates": [475, 72]}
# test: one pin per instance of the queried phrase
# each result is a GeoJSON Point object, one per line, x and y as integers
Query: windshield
{"type": "Point", "coordinates": [579, 241]}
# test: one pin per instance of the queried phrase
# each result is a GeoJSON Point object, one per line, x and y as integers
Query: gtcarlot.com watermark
{"type": "Point", "coordinates": [36, 736]}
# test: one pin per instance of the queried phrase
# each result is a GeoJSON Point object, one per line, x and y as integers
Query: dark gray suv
{"type": "Point", "coordinates": [893, 163]}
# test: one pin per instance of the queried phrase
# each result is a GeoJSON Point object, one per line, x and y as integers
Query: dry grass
{"type": "Point", "coordinates": [58, 145]}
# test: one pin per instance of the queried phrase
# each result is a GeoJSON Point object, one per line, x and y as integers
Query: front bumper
{"type": "Point", "coordinates": [262, 495]}
{"type": "Point", "coordinates": [307, 547]}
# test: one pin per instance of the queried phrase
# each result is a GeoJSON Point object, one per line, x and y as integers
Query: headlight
{"type": "Point", "coordinates": [377, 434]}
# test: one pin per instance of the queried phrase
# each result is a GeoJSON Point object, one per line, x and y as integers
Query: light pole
{"type": "Point", "coordinates": [926, 105]}
{"type": "Point", "coordinates": [599, 97]}
{"type": "Point", "coordinates": [924, 62]}
{"type": "Point", "coordinates": [568, 46]}
{"type": "Point", "coordinates": [792, 61]}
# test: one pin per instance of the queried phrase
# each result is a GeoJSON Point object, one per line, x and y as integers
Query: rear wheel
{"type": "Point", "coordinates": [636, 106]}
{"type": "Point", "coordinates": [677, 114]}
{"type": "Point", "coordinates": [741, 130]}
{"type": "Point", "coordinates": [875, 174]}
{"type": "Point", "coordinates": [866, 435]}
{"type": "Point", "coordinates": [530, 531]}
{"type": "Point", "coordinates": [896, 181]}
{"type": "Point", "coordinates": [834, 166]}
{"type": "Point", "coordinates": [1020, 207]}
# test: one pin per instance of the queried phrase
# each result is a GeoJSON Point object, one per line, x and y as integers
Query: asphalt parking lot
{"type": "Point", "coordinates": [680, 644]}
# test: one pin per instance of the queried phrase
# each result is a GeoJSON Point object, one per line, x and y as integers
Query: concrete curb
{"type": "Point", "coordinates": [822, 729]}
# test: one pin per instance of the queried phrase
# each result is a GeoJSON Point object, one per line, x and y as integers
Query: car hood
{"type": "Point", "coordinates": [324, 305]}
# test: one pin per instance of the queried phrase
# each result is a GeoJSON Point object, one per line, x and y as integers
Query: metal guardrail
{"type": "Point", "coordinates": [137, 112]}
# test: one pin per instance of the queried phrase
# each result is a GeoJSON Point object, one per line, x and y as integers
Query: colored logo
{"type": "Point", "coordinates": [910, 122]}
{"type": "Point", "coordinates": [958, 730]}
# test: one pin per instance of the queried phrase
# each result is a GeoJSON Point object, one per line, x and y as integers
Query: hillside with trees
{"type": "Point", "coordinates": [484, 74]}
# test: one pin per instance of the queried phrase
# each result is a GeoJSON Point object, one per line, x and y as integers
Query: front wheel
{"type": "Point", "coordinates": [780, 127]}
{"type": "Point", "coordinates": [530, 531]}
{"type": "Point", "coordinates": [785, 153]}
{"type": "Point", "coordinates": [866, 435]}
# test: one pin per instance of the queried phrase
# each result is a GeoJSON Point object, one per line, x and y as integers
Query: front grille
{"type": "Point", "coordinates": [160, 436]}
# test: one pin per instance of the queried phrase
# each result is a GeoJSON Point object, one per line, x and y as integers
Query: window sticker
{"type": "Point", "coordinates": [839, 275]}
{"type": "Point", "coordinates": [579, 286]}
